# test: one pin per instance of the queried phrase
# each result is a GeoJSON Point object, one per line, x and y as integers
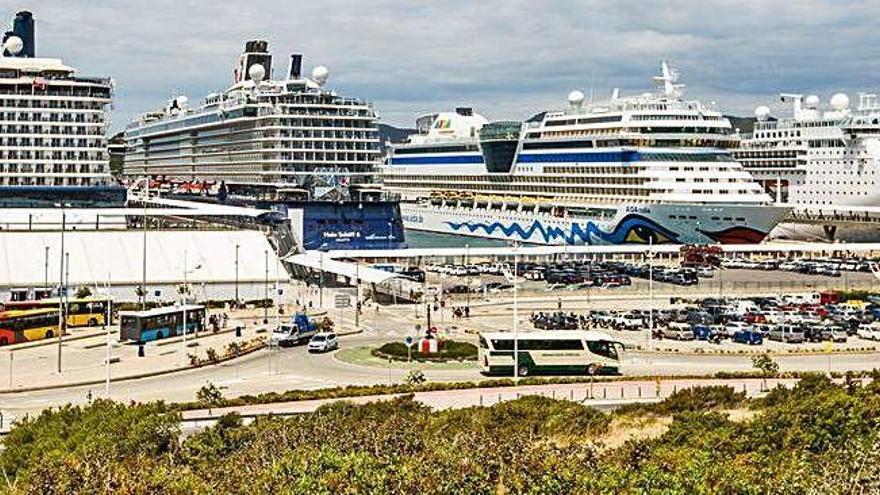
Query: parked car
{"type": "Point", "coordinates": [323, 342]}
{"type": "Point", "coordinates": [703, 332]}
{"type": "Point", "coordinates": [733, 327]}
{"type": "Point", "coordinates": [629, 321]}
{"type": "Point", "coordinates": [749, 337]}
{"type": "Point", "coordinates": [790, 334]}
{"type": "Point", "coordinates": [678, 331]}
{"type": "Point", "coordinates": [870, 331]}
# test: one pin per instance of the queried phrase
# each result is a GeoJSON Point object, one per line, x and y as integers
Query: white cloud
{"type": "Point", "coordinates": [509, 58]}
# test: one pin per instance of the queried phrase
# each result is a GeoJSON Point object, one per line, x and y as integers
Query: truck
{"type": "Point", "coordinates": [299, 330]}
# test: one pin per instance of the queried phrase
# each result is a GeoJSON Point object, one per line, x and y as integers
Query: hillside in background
{"type": "Point", "coordinates": [391, 134]}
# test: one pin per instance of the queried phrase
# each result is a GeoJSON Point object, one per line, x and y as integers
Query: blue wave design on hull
{"type": "Point", "coordinates": [642, 227]}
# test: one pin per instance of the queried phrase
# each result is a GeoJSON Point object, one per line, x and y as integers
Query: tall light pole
{"type": "Point", "coordinates": [467, 257]}
{"type": "Point", "coordinates": [184, 294]}
{"type": "Point", "coordinates": [65, 300]}
{"type": "Point", "coordinates": [357, 295]}
{"type": "Point", "coordinates": [650, 292]}
{"type": "Point", "coordinates": [146, 198]}
{"type": "Point", "coordinates": [321, 282]}
{"type": "Point", "coordinates": [515, 312]}
{"type": "Point", "coordinates": [108, 323]}
{"type": "Point", "coordinates": [46, 270]}
{"type": "Point", "coordinates": [266, 287]}
{"type": "Point", "coordinates": [61, 316]}
{"type": "Point", "coordinates": [236, 275]}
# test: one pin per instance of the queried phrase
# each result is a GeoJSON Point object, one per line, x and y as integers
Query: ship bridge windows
{"type": "Point", "coordinates": [436, 149]}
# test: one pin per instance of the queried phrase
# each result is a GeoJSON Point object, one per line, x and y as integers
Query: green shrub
{"type": "Point", "coordinates": [817, 437]}
{"type": "Point", "coordinates": [448, 350]}
{"type": "Point", "coordinates": [692, 399]}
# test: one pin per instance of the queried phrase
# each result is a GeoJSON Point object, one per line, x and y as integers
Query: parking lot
{"type": "Point", "coordinates": [586, 277]}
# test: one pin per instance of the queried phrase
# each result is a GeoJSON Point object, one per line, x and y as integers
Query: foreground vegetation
{"type": "Point", "coordinates": [815, 438]}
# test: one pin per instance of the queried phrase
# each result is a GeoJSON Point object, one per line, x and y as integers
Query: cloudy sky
{"type": "Point", "coordinates": [507, 58]}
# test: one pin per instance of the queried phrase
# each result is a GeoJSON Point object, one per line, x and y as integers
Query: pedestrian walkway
{"type": "Point", "coordinates": [83, 359]}
{"type": "Point", "coordinates": [599, 394]}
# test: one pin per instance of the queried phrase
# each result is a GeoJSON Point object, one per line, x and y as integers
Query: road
{"type": "Point", "coordinates": [294, 368]}
{"type": "Point", "coordinates": [286, 369]}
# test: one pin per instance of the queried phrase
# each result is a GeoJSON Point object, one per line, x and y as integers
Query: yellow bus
{"type": "Point", "coordinates": [26, 325]}
{"type": "Point", "coordinates": [85, 312]}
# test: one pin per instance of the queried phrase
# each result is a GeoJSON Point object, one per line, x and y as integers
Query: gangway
{"type": "Point", "coordinates": [829, 217]}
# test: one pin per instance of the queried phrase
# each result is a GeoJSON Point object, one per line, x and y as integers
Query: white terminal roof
{"type": "Point", "coordinates": [95, 255]}
{"type": "Point", "coordinates": [321, 261]}
{"type": "Point", "coordinates": [531, 250]}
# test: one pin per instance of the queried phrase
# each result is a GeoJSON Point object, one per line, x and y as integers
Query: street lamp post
{"type": "Point", "coordinates": [108, 324]}
{"type": "Point", "coordinates": [467, 257]}
{"type": "Point", "coordinates": [144, 258]}
{"type": "Point", "coordinates": [515, 312]}
{"type": "Point", "coordinates": [650, 291]}
{"type": "Point", "coordinates": [236, 275]}
{"type": "Point", "coordinates": [321, 282]}
{"type": "Point", "coordinates": [183, 294]}
{"type": "Point", "coordinates": [266, 291]}
{"type": "Point", "coordinates": [61, 317]}
{"type": "Point", "coordinates": [46, 270]}
{"type": "Point", "coordinates": [357, 295]}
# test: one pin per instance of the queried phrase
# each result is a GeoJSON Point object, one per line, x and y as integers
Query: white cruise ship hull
{"type": "Point", "coordinates": [634, 224]}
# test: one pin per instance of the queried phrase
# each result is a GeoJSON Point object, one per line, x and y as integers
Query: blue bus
{"type": "Point", "coordinates": [160, 323]}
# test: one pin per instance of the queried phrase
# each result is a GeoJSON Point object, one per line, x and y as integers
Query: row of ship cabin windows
{"type": "Point", "coordinates": [52, 142]}
{"type": "Point", "coordinates": [777, 134]}
{"type": "Point", "coordinates": [545, 189]}
{"type": "Point", "coordinates": [51, 181]}
{"type": "Point", "coordinates": [47, 103]}
{"type": "Point", "coordinates": [715, 219]}
{"type": "Point", "coordinates": [56, 155]}
{"type": "Point", "coordinates": [79, 118]}
{"type": "Point", "coordinates": [56, 168]}
{"type": "Point", "coordinates": [340, 112]}
{"type": "Point", "coordinates": [55, 130]}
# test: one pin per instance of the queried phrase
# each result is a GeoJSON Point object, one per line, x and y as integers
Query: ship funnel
{"type": "Point", "coordinates": [295, 69]}
{"type": "Point", "coordinates": [23, 27]}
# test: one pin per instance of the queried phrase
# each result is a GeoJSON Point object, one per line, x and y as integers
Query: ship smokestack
{"type": "Point", "coordinates": [23, 27]}
{"type": "Point", "coordinates": [295, 70]}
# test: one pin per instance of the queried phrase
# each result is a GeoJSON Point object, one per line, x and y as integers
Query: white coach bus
{"type": "Point", "coordinates": [568, 352]}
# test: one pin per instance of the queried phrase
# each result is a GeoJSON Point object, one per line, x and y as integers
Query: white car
{"type": "Point", "coordinates": [323, 342]}
{"type": "Point", "coordinates": [736, 326]}
{"type": "Point", "coordinates": [870, 331]}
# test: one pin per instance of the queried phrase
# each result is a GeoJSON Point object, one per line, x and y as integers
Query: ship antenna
{"type": "Point", "coordinates": [668, 78]}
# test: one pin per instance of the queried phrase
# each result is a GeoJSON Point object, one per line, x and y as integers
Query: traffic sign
{"type": "Point", "coordinates": [409, 341]}
{"type": "Point", "coordinates": [342, 301]}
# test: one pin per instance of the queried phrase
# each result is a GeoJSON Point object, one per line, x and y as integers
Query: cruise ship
{"type": "Point", "coordinates": [293, 139]}
{"type": "Point", "coordinates": [53, 122]}
{"type": "Point", "coordinates": [817, 158]}
{"type": "Point", "coordinates": [650, 168]}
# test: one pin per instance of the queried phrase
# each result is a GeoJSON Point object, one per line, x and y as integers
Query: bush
{"type": "Point", "coordinates": [692, 399]}
{"type": "Point", "coordinates": [448, 350]}
{"type": "Point", "coordinates": [818, 437]}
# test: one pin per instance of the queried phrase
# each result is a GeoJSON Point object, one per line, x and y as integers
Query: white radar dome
{"type": "Point", "coordinates": [812, 101]}
{"type": "Point", "coordinates": [840, 101]}
{"type": "Point", "coordinates": [575, 98]}
{"type": "Point", "coordinates": [320, 74]}
{"type": "Point", "coordinates": [182, 101]}
{"type": "Point", "coordinates": [762, 112]}
{"type": "Point", "coordinates": [257, 72]}
{"type": "Point", "coordinates": [13, 45]}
